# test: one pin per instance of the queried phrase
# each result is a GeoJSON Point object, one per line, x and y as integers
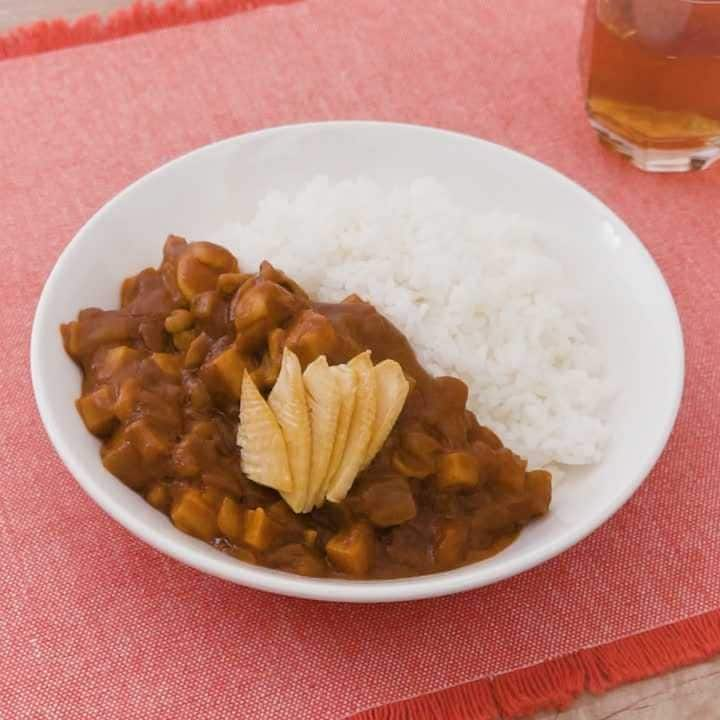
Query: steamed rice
{"type": "Point", "coordinates": [478, 297]}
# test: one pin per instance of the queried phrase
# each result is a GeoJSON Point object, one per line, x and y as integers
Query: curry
{"type": "Point", "coordinates": [162, 385]}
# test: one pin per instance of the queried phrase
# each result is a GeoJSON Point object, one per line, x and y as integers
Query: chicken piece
{"type": "Point", "coordinates": [199, 267]}
{"type": "Point", "coordinates": [261, 308]}
{"type": "Point", "coordinates": [310, 336]}
{"type": "Point", "coordinates": [387, 502]}
{"type": "Point", "coordinates": [271, 273]}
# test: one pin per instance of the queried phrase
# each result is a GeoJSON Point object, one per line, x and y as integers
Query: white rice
{"type": "Point", "coordinates": [477, 296]}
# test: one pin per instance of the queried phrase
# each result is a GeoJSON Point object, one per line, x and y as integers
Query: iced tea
{"type": "Point", "coordinates": [653, 79]}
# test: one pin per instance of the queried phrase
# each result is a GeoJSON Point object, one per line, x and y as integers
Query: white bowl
{"type": "Point", "coordinates": [635, 319]}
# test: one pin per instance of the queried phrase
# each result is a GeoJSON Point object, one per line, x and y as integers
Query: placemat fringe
{"type": "Point", "coordinates": [556, 683]}
{"type": "Point", "coordinates": [141, 16]}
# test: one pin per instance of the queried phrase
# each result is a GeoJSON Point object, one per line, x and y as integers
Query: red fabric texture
{"type": "Point", "coordinates": [141, 16]}
{"type": "Point", "coordinates": [94, 624]}
{"type": "Point", "coordinates": [554, 684]}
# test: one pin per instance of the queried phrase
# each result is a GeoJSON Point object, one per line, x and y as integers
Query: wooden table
{"type": "Point", "coordinates": [689, 694]}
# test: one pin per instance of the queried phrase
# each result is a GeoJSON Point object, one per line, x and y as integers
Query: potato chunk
{"type": "Point", "coordinates": [149, 442]}
{"type": "Point", "coordinates": [229, 368]}
{"type": "Point", "coordinates": [451, 545]}
{"type": "Point", "coordinates": [122, 459]}
{"type": "Point", "coordinates": [193, 515]}
{"type": "Point", "coordinates": [297, 558]}
{"type": "Point", "coordinates": [158, 496]}
{"type": "Point", "coordinates": [230, 520]}
{"type": "Point", "coordinates": [538, 485]}
{"type": "Point", "coordinates": [352, 551]}
{"type": "Point", "coordinates": [458, 471]}
{"type": "Point", "coordinates": [96, 410]}
{"type": "Point", "coordinates": [260, 530]}
{"type": "Point", "coordinates": [168, 363]}
{"type": "Point", "coordinates": [116, 359]}
{"type": "Point", "coordinates": [511, 470]}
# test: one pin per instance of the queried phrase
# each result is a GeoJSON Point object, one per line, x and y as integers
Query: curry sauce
{"type": "Point", "coordinates": [161, 387]}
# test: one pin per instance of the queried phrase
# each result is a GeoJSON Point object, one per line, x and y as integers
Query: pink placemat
{"type": "Point", "coordinates": [94, 624]}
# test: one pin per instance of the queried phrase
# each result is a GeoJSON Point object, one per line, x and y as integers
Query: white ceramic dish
{"type": "Point", "coordinates": [635, 319]}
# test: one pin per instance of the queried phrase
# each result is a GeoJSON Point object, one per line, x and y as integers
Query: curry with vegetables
{"type": "Point", "coordinates": [164, 377]}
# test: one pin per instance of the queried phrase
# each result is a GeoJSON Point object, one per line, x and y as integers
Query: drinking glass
{"type": "Point", "coordinates": [651, 70]}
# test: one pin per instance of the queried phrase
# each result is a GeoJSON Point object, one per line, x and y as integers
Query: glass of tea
{"type": "Point", "coordinates": [652, 74]}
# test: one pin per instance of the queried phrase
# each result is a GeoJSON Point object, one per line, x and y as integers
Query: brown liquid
{"type": "Point", "coordinates": [653, 70]}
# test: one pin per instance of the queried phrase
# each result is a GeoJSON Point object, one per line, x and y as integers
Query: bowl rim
{"type": "Point", "coordinates": [362, 591]}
